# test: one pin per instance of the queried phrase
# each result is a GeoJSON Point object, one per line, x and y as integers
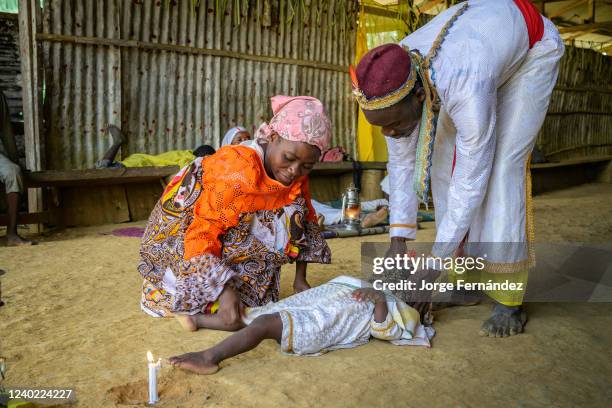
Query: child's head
{"type": "Point", "coordinates": [297, 134]}
{"type": "Point", "coordinates": [235, 135]}
{"type": "Point", "coordinates": [203, 151]}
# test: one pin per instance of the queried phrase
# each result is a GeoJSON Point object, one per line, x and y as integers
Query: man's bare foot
{"type": "Point", "coordinates": [200, 362]}
{"type": "Point", "coordinates": [187, 322]}
{"type": "Point", "coordinates": [16, 240]}
{"type": "Point", "coordinates": [375, 218]}
{"type": "Point", "coordinates": [504, 321]}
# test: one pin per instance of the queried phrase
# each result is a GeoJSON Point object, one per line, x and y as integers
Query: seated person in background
{"type": "Point", "coordinates": [235, 136]}
{"type": "Point", "coordinates": [378, 210]}
{"type": "Point", "coordinates": [10, 175]}
{"type": "Point", "coordinates": [172, 158]}
{"type": "Point", "coordinates": [342, 313]}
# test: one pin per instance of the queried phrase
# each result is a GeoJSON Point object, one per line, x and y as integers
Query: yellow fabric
{"type": "Point", "coordinates": [374, 31]}
{"type": "Point", "coordinates": [172, 158]}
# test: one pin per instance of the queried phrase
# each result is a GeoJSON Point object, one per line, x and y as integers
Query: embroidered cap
{"type": "Point", "coordinates": [383, 77]}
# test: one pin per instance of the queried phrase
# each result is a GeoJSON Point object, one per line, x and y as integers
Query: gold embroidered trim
{"type": "Point", "coordinates": [412, 226]}
{"type": "Point", "coordinates": [382, 102]}
{"type": "Point", "coordinates": [528, 263]}
{"type": "Point", "coordinates": [514, 267]}
{"type": "Point", "coordinates": [529, 221]}
{"type": "Point", "coordinates": [290, 338]}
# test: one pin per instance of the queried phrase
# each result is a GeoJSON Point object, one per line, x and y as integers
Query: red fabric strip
{"type": "Point", "coordinates": [533, 19]}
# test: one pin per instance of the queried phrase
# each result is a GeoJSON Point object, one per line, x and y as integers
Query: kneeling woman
{"type": "Point", "coordinates": [223, 227]}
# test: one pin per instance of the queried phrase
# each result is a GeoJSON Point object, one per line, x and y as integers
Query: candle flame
{"type": "Point", "coordinates": [150, 356]}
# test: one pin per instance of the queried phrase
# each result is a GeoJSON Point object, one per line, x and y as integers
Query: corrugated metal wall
{"type": "Point", "coordinates": [579, 120]}
{"type": "Point", "coordinates": [168, 100]}
{"type": "Point", "coordinates": [84, 82]}
{"type": "Point", "coordinates": [10, 65]}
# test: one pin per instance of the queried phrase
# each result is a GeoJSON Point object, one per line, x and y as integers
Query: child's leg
{"type": "Point", "coordinates": [228, 316]}
{"type": "Point", "coordinates": [207, 321]}
{"type": "Point", "coordinates": [207, 361]}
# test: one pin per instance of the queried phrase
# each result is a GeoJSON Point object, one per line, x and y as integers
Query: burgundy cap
{"type": "Point", "coordinates": [382, 70]}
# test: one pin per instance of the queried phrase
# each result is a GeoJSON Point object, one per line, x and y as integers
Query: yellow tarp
{"type": "Point", "coordinates": [373, 31]}
{"type": "Point", "coordinates": [172, 158]}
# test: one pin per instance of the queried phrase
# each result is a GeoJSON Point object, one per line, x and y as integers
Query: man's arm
{"type": "Point", "coordinates": [403, 203]}
{"type": "Point", "coordinates": [473, 113]}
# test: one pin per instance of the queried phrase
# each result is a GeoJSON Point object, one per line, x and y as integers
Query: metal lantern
{"type": "Point", "coordinates": [351, 209]}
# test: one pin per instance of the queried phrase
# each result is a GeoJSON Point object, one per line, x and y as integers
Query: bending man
{"type": "Point", "coordinates": [462, 100]}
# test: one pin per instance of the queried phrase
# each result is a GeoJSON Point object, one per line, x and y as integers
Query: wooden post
{"type": "Point", "coordinates": [29, 16]}
{"type": "Point", "coordinates": [591, 16]}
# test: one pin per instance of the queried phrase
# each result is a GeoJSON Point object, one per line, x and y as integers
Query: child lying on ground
{"type": "Point", "coordinates": [342, 313]}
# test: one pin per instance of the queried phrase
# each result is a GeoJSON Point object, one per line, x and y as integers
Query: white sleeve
{"type": "Point", "coordinates": [403, 202]}
{"type": "Point", "coordinates": [473, 112]}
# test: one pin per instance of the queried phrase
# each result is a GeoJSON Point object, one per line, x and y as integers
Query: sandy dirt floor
{"type": "Point", "coordinates": [72, 319]}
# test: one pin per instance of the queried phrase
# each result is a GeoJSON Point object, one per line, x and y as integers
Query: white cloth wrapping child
{"type": "Point", "coordinates": [327, 317]}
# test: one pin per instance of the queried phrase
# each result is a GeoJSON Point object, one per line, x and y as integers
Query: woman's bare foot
{"type": "Point", "coordinates": [188, 322]}
{"type": "Point", "coordinates": [200, 362]}
{"type": "Point", "coordinates": [16, 240]}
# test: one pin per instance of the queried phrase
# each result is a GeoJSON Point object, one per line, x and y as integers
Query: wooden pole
{"type": "Point", "coordinates": [567, 8]}
{"type": "Point", "coordinates": [591, 16]}
{"type": "Point", "coordinates": [583, 27]}
{"type": "Point", "coordinates": [149, 46]}
{"type": "Point", "coordinates": [29, 16]}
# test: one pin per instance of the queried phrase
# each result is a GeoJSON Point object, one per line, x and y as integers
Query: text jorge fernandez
{"type": "Point", "coordinates": [458, 265]}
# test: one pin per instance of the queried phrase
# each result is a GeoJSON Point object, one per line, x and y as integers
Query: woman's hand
{"type": "Point", "coordinates": [231, 310]}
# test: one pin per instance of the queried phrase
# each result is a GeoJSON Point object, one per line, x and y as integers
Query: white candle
{"type": "Point", "coordinates": [153, 367]}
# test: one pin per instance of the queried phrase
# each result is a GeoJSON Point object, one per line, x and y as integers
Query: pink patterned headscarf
{"type": "Point", "coordinates": [298, 119]}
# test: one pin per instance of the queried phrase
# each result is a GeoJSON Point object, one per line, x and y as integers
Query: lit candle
{"type": "Point", "coordinates": [153, 367]}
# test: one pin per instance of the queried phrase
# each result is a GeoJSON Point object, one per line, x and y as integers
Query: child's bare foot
{"type": "Point", "coordinates": [16, 240]}
{"type": "Point", "coordinates": [200, 362]}
{"type": "Point", "coordinates": [187, 322]}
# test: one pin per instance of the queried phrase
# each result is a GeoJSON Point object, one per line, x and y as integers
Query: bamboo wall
{"type": "Point", "coordinates": [140, 64]}
{"type": "Point", "coordinates": [10, 66]}
{"type": "Point", "coordinates": [579, 119]}
{"type": "Point", "coordinates": [148, 66]}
